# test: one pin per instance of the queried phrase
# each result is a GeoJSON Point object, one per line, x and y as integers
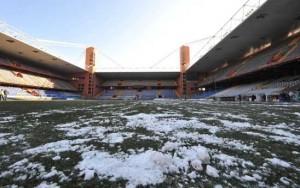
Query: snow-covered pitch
{"type": "Point", "coordinates": [169, 143]}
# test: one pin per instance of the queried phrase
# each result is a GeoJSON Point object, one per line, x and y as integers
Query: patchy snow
{"type": "Point", "coordinates": [56, 158]}
{"type": "Point", "coordinates": [213, 139]}
{"type": "Point", "coordinates": [57, 173]}
{"type": "Point", "coordinates": [194, 153]}
{"type": "Point", "coordinates": [114, 138]}
{"type": "Point", "coordinates": [297, 113]}
{"type": "Point", "coordinates": [4, 134]}
{"type": "Point", "coordinates": [17, 138]}
{"type": "Point", "coordinates": [269, 114]}
{"type": "Point", "coordinates": [3, 141]}
{"type": "Point", "coordinates": [163, 123]}
{"type": "Point", "coordinates": [286, 139]}
{"type": "Point", "coordinates": [284, 133]}
{"type": "Point", "coordinates": [235, 116]}
{"type": "Point", "coordinates": [6, 138]}
{"type": "Point", "coordinates": [248, 178]}
{"type": "Point", "coordinates": [218, 186]}
{"type": "Point", "coordinates": [255, 134]}
{"type": "Point", "coordinates": [59, 146]}
{"type": "Point", "coordinates": [23, 169]}
{"type": "Point", "coordinates": [144, 168]}
{"type": "Point", "coordinates": [183, 135]}
{"type": "Point", "coordinates": [47, 185]}
{"type": "Point", "coordinates": [73, 130]}
{"type": "Point", "coordinates": [197, 165]}
{"type": "Point", "coordinates": [7, 119]}
{"type": "Point", "coordinates": [285, 180]}
{"type": "Point", "coordinates": [226, 160]}
{"type": "Point", "coordinates": [144, 137]}
{"type": "Point", "coordinates": [235, 125]}
{"type": "Point", "coordinates": [69, 124]}
{"type": "Point", "coordinates": [193, 175]}
{"type": "Point", "coordinates": [279, 162]}
{"type": "Point", "coordinates": [141, 169]}
{"type": "Point", "coordinates": [230, 161]}
{"type": "Point", "coordinates": [92, 132]}
{"type": "Point", "coordinates": [51, 112]}
{"type": "Point", "coordinates": [211, 171]}
{"type": "Point", "coordinates": [170, 146]}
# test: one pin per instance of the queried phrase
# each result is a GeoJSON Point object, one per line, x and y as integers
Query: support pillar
{"type": "Point", "coordinates": [184, 64]}
{"type": "Point", "coordinates": [89, 88]}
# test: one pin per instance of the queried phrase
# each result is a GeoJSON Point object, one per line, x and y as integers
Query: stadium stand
{"type": "Point", "coordinates": [285, 52]}
{"type": "Point", "coordinates": [38, 94]}
{"type": "Point", "coordinates": [129, 92]}
{"type": "Point", "coordinates": [23, 80]}
{"type": "Point", "coordinates": [260, 57]}
{"type": "Point", "coordinates": [13, 64]}
{"type": "Point", "coordinates": [204, 94]}
{"type": "Point", "coordinates": [271, 90]}
{"type": "Point", "coordinates": [135, 94]}
{"type": "Point", "coordinates": [18, 78]}
{"type": "Point", "coordinates": [134, 83]}
{"type": "Point", "coordinates": [148, 94]}
{"type": "Point", "coordinates": [167, 93]}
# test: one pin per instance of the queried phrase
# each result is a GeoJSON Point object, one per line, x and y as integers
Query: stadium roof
{"type": "Point", "coordinates": [138, 75]}
{"type": "Point", "coordinates": [17, 48]}
{"type": "Point", "coordinates": [271, 21]}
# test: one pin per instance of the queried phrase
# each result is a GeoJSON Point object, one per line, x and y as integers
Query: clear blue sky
{"type": "Point", "coordinates": [134, 32]}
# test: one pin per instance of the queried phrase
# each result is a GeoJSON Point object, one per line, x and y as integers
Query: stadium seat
{"type": "Point", "coordinates": [29, 93]}
{"type": "Point", "coordinates": [25, 79]}
{"type": "Point", "coordinates": [271, 87]}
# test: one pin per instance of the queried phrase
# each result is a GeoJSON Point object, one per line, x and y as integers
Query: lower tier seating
{"type": "Point", "coordinates": [204, 95]}
{"type": "Point", "coordinates": [146, 94]}
{"type": "Point", "coordinates": [263, 91]}
{"type": "Point", "coordinates": [29, 93]}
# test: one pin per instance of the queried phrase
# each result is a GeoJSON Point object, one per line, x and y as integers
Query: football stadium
{"type": "Point", "coordinates": [229, 117]}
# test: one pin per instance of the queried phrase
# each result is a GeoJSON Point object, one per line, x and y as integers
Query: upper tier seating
{"type": "Point", "coordinates": [17, 65]}
{"type": "Point", "coordinates": [283, 52]}
{"type": "Point", "coordinates": [133, 83]}
{"type": "Point", "coordinates": [24, 79]}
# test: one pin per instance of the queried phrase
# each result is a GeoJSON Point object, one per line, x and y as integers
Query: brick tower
{"type": "Point", "coordinates": [184, 64]}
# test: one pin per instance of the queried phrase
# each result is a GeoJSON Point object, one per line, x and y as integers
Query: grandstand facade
{"type": "Point", "coordinates": [258, 59]}
{"type": "Point", "coordinates": [131, 85]}
{"type": "Point", "coordinates": [30, 73]}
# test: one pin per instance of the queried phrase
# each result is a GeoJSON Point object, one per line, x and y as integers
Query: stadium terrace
{"type": "Point", "coordinates": [258, 60]}
{"type": "Point", "coordinates": [228, 118]}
